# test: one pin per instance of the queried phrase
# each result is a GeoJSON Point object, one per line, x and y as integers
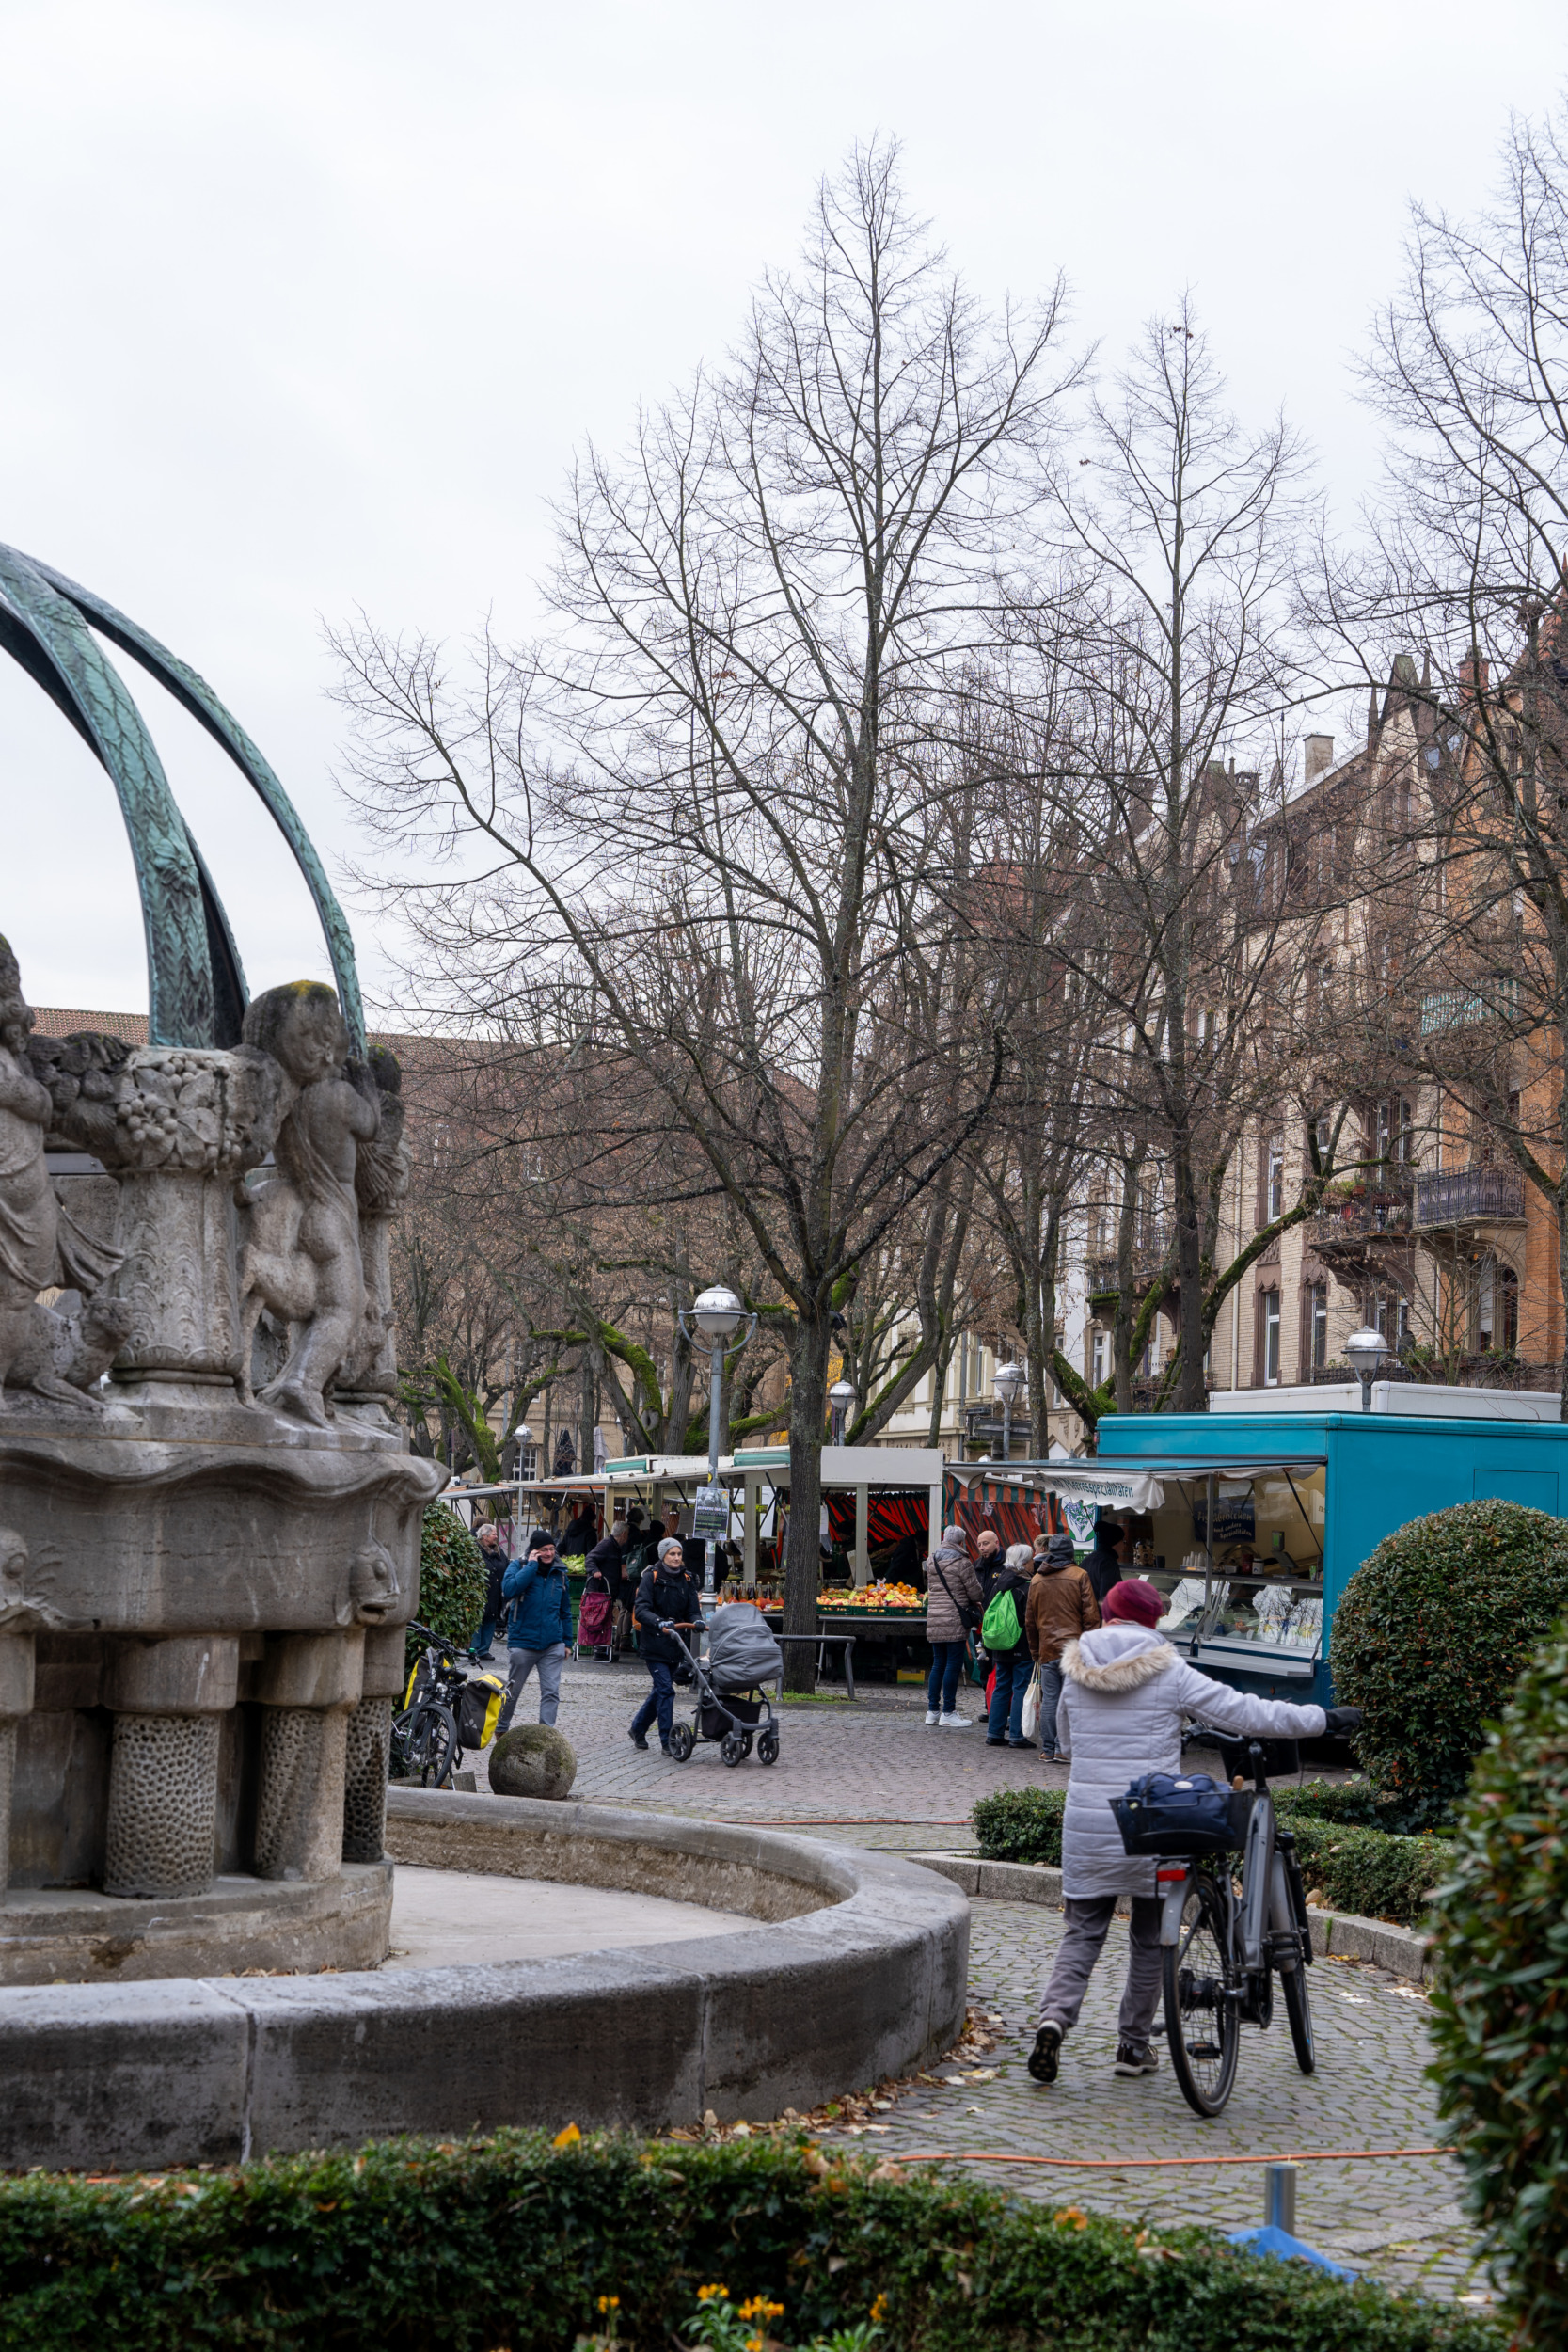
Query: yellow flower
{"type": "Point", "coordinates": [567, 2138]}
{"type": "Point", "coordinates": [609, 2302]}
{"type": "Point", "coordinates": [758, 2307]}
{"type": "Point", "coordinates": [879, 2309]}
{"type": "Point", "coordinates": [754, 2344]}
{"type": "Point", "coordinates": [706, 2294]}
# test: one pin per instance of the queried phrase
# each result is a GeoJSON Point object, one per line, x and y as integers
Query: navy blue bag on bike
{"type": "Point", "coordinates": [1163, 1815]}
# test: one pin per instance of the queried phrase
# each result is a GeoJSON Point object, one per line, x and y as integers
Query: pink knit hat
{"type": "Point", "coordinates": [1134, 1602]}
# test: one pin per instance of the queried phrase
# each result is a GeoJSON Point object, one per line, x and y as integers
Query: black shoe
{"type": "Point", "coordinates": [639, 1740]}
{"type": "Point", "coordinates": [994, 1743]}
{"type": "Point", "coordinates": [1136, 2058]}
{"type": "Point", "coordinates": [1020, 1744]}
{"type": "Point", "coordinates": [1045, 2059]}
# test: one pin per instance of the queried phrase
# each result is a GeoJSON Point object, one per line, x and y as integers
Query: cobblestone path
{"type": "Point", "coordinates": [870, 1773]}
{"type": "Point", "coordinates": [1400, 2220]}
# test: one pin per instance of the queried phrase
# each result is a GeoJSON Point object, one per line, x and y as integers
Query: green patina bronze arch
{"type": "Point", "coordinates": [195, 986]}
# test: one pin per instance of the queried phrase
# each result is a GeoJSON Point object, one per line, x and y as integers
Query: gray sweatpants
{"type": "Point", "coordinates": [523, 1662]}
{"type": "Point", "coordinates": [1088, 1923]}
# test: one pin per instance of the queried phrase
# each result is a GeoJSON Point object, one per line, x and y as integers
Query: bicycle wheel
{"type": "Point", "coordinates": [1298, 2008]}
{"type": "Point", "coordinates": [1201, 2025]}
{"type": "Point", "coordinates": [431, 1745]}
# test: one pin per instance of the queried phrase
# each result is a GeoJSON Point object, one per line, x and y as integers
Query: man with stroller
{"type": "Point", "coordinates": [668, 1595]}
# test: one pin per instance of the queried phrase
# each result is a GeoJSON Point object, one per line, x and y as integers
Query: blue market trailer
{"type": "Point", "coordinates": [1253, 1521]}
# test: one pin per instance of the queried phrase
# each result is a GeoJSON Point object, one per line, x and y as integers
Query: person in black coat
{"type": "Point", "coordinates": [608, 1560]}
{"type": "Point", "coordinates": [494, 1551]}
{"type": "Point", "coordinates": [667, 1596]}
{"type": "Point", "coordinates": [1106, 1564]}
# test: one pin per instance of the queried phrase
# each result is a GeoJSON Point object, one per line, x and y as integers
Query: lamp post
{"type": "Point", "coordinates": [716, 1316]}
{"type": "Point", "coordinates": [524, 1439]}
{"type": "Point", "coordinates": [1366, 1350]}
{"type": "Point", "coordinates": [841, 1396]}
{"type": "Point", "coordinates": [1007, 1381]}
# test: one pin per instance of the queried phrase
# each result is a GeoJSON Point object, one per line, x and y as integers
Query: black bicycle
{"type": "Point", "coordinates": [1227, 1932]}
{"type": "Point", "coordinates": [426, 1745]}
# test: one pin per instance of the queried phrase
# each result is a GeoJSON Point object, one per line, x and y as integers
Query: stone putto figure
{"type": "Point", "coordinates": [301, 1259]}
{"type": "Point", "coordinates": [41, 1244]}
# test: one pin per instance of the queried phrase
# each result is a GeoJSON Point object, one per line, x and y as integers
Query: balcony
{"type": "Point", "coordinates": [1355, 1223]}
{"type": "Point", "coordinates": [1445, 1008]}
{"type": "Point", "coordinates": [1151, 1247]}
{"type": "Point", "coordinates": [1471, 1196]}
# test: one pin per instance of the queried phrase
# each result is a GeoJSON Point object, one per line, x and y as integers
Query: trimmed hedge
{"type": "Point", "coordinates": [453, 1579]}
{"type": "Point", "coordinates": [1021, 1825]}
{"type": "Point", "coordinates": [508, 2245]}
{"type": "Point", "coordinates": [1430, 1638]}
{"type": "Point", "coordinates": [1354, 1866]}
{"type": "Point", "coordinates": [1500, 2004]}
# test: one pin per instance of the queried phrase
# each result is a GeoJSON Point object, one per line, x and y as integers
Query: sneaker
{"type": "Point", "coordinates": [1136, 2058]}
{"type": "Point", "coordinates": [1045, 2059]}
{"type": "Point", "coordinates": [931, 1715]}
{"type": "Point", "coordinates": [639, 1740]}
{"type": "Point", "coordinates": [954, 1723]}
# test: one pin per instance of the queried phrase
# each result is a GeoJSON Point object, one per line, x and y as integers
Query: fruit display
{"type": "Point", "coordinates": [882, 1598]}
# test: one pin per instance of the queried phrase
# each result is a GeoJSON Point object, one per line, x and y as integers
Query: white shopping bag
{"type": "Point", "coordinates": [1031, 1717]}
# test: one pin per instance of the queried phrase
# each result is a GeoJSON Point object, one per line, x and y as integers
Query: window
{"type": "Point", "coordinates": [1317, 1319]}
{"type": "Point", "coordinates": [1268, 1338]}
{"type": "Point", "coordinates": [1100, 1358]}
{"type": "Point", "coordinates": [1274, 1182]}
{"type": "Point", "coordinates": [1498, 1308]}
{"type": "Point", "coordinates": [1388, 1313]}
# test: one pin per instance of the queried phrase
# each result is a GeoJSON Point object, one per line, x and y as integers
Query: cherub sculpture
{"type": "Point", "coordinates": [40, 1243]}
{"type": "Point", "coordinates": [301, 1258]}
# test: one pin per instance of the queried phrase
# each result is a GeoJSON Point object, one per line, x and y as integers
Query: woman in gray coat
{"type": "Point", "coordinates": [951, 1587]}
{"type": "Point", "coordinates": [1125, 1697]}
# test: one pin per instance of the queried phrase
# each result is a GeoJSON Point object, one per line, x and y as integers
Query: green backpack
{"type": "Point", "coordinates": [999, 1628]}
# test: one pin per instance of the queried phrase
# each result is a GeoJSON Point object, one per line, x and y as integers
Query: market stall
{"type": "Point", "coordinates": [1261, 1519]}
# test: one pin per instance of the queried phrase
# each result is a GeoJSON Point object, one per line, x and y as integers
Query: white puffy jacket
{"type": "Point", "coordinates": [1125, 1695]}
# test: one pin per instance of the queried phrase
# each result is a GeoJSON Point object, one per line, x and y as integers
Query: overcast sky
{"type": "Point", "coordinates": [306, 306]}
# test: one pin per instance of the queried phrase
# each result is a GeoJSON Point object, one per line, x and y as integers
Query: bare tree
{"type": "Point", "coordinates": [734, 858]}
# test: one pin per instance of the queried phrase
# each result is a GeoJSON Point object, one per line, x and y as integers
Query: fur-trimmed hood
{"type": "Point", "coordinates": [1116, 1658]}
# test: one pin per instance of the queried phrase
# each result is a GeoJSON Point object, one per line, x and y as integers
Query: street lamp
{"type": "Point", "coordinates": [716, 1316]}
{"type": "Point", "coordinates": [1008, 1379]}
{"type": "Point", "coordinates": [1366, 1350]}
{"type": "Point", "coordinates": [841, 1396]}
{"type": "Point", "coordinates": [525, 1442]}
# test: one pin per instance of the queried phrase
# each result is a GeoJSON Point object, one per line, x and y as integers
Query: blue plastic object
{"type": "Point", "coordinates": [1269, 2240]}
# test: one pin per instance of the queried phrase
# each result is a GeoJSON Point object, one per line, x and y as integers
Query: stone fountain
{"type": "Point", "coordinates": [209, 1519]}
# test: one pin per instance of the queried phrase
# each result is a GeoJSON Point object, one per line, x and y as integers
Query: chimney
{"type": "Point", "coordinates": [1320, 757]}
{"type": "Point", "coordinates": [1473, 673]}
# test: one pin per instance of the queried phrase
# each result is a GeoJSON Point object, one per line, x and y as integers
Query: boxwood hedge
{"type": "Point", "coordinates": [1345, 1857]}
{"type": "Point", "coordinates": [1500, 2004]}
{"type": "Point", "coordinates": [452, 1578]}
{"type": "Point", "coordinates": [508, 2245]}
{"type": "Point", "coordinates": [1430, 1637]}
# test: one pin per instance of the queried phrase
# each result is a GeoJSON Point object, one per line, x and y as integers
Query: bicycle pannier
{"type": "Point", "coordinates": [479, 1703]}
{"type": "Point", "coordinates": [1161, 1815]}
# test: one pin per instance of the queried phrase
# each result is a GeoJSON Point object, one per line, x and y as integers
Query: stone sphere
{"type": "Point", "coordinates": [532, 1760]}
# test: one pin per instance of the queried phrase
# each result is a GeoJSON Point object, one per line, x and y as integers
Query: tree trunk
{"type": "Point", "coordinates": [808, 1405]}
{"type": "Point", "coordinates": [1193, 1394]}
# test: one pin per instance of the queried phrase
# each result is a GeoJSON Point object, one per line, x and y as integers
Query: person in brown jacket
{"type": "Point", "coordinates": [1061, 1606]}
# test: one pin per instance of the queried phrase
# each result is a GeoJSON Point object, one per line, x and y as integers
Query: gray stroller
{"type": "Point", "coordinates": [732, 1707]}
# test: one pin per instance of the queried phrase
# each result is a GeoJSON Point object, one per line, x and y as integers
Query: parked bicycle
{"type": "Point", "coordinates": [1226, 1930]}
{"type": "Point", "coordinates": [445, 1709]}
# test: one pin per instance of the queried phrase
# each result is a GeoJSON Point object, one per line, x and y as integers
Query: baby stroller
{"type": "Point", "coordinates": [731, 1703]}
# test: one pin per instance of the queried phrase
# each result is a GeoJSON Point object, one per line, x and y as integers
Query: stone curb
{"type": "Point", "coordinates": [1338, 1934]}
{"type": "Point", "coordinates": [861, 1972]}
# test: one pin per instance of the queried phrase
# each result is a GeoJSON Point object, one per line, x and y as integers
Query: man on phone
{"type": "Point", "coordinates": [667, 1596]}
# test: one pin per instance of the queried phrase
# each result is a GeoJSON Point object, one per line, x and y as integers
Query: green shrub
{"type": "Point", "coordinates": [510, 2243]}
{"type": "Point", "coordinates": [1500, 2006]}
{"type": "Point", "coordinates": [452, 1578]}
{"type": "Point", "coordinates": [1432, 1633]}
{"type": "Point", "coordinates": [1352, 1803]}
{"type": "Point", "coordinates": [1367, 1871]}
{"type": "Point", "coordinates": [1020, 1825]}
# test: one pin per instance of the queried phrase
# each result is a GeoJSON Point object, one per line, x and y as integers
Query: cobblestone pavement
{"type": "Point", "coordinates": [1399, 2220]}
{"type": "Point", "coordinates": [867, 1771]}
{"type": "Point", "coordinates": [871, 1772]}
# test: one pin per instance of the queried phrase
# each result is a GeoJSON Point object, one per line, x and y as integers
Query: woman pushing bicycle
{"type": "Point", "coordinates": [1125, 1697]}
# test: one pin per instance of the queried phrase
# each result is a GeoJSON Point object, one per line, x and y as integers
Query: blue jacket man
{"type": "Point", "coordinates": [540, 1630]}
